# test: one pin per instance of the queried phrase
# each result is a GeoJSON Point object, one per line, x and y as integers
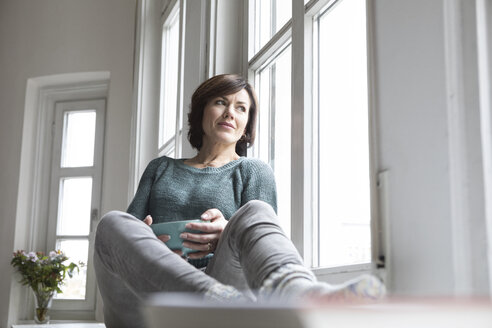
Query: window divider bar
{"type": "Point", "coordinates": [75, 172]}
{"type": "Point", "coordinates": [72, 237]}
{"type": "Point", "coordinates": [168, 10]}
{"type": "Point", "coordinates": [314, 7]}
{"type": "Point", "coordinates": [179, 113]}
{"type": "Point", "coordinates": [170, 144]}
{"type": "Point", "coordinates": [275, 45]}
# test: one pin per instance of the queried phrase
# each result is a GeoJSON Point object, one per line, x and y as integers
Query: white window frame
{"type": "Point", "coordinates": [95, 172]}
{"type": "Point", "coordinates": [169, 12]}
{"type": "Point", "coordinates": [303, 166]}
{"type": "Point", "coordinates": [484, 22]}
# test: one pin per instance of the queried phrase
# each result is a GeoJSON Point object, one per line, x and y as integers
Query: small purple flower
{"type": "Point", "coordinates": [32, 256]}
{"type": "Point", "coordinates": [52, 254]}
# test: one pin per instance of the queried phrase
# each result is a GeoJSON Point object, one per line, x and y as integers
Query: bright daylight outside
{"type": "Point", "coordinates": [344, 188]}
{"type": "Point", "coordinates": [169, 74]}
{"type": "Point", "coordinates": [274, 128]}
{"type": "Point", "coordinates": [75, 197]}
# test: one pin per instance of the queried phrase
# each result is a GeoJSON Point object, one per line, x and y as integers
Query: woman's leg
{"type": "Point", "coordinates": [254, 252]}
{"type": "Point", "coordinates": [253, 246]}
{"type": "Point", "coordinates": [130, 261]}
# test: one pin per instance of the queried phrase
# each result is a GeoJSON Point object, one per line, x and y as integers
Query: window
{"type": "Point", "coordinates": [343, 137]}
{"type": "Point", "coordinates": [170, 63]}
{"type": "Point", "coordinates": [270, 70]}
{"type": "Point", "coordinates": [270, 16]}
{"type": "Point", "coordinates": [335, 141]}
{"type": "Point", "coordinates": [75, 194]}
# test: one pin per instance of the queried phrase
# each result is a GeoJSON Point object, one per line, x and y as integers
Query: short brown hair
{"type": "Point", "coordinates": [217, 86]}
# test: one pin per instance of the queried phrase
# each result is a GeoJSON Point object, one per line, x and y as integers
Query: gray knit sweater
{"type": "Point", "coordinates": [170, 190]}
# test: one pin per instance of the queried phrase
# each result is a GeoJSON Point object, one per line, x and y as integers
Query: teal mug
{"type": "Point", "coordinates": [174, 229]}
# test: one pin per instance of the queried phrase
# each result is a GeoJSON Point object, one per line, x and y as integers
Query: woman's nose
{"type": "Point", "coordinates": [228, 112]}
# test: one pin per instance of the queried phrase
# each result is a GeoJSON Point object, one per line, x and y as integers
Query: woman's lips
{"type": "Point", "coordinates": [227, 125]}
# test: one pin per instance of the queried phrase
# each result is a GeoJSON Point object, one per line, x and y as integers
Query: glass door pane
{"type": "Point", "coordinates": [76, 250]}
{"type": "Point", "coordinates": [78, 138]}
{"type": "Point", "coordinates": [75, 206]}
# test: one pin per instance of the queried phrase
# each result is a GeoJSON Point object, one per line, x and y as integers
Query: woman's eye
{"type": "Point", "coordinates": [220, 102]}
{"type": "Point", "coordinates": [242, 109]}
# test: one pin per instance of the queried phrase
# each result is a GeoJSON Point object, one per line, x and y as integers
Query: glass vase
{"type": "Point", "coordinates": [42, 305]}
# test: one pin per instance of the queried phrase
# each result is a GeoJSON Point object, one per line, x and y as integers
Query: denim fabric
{"type": "Point", "coordinates": [130, 261]}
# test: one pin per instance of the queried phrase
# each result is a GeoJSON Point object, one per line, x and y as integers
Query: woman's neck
{"type": "Point", "coordinates": [213, 156]}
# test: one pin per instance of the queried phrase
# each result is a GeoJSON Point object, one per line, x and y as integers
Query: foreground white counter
{"type": "Point", "coordinates": [184, 311]}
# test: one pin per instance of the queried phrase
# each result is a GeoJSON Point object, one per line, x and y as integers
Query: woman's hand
{"type": "Point", "coordinates": [164, 238]}
{"type": "Point", "coordinates": [206, 242]}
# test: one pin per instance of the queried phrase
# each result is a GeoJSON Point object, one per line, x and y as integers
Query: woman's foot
{"type": "Point", "coordinates": [293, 282]}
{"type": "Point", "coordinates": [360, 289]}
{"type": "Point", "coordinates": [224, 293]}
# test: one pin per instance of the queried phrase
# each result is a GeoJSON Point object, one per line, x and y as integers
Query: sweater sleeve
{"type": "Point", "coordinates": [259, 184]}
{"type": "Point", "coordinates": [139, 207]}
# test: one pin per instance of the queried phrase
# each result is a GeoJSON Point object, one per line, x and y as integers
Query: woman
{"type": "Point", "coordinates": [252, 257]}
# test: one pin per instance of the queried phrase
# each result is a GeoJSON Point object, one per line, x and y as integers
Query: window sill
{"type": "Point", "coordinates": [60, 324]}
{"type": "Point", "coordinates": [342, 273]}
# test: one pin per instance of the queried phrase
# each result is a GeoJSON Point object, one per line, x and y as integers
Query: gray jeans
{"type": "Point", "coordinates": [130, 261]}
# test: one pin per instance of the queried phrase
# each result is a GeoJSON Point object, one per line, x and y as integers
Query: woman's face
{"type": "Point", "coordinates": [225, 118]}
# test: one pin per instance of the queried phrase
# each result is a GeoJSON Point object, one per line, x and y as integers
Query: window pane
{"type": "Point", "coordinates": [270, 17]}
{"type": "Point", "coordinates": [274, 128]}
{"type": "Point", "coordinates": [263, 142]}
{"type": "Point", "coordinates": [75, 250]}
{"type": "Point", "coordinates": [283, 12]}
{"type": "Point", "coordinates": [75, 206]}
{"type": "Point", "coordinates": [79, 132]}
{"type": "Point", "coordinates": [169, 78]}
{"type": "Point", "coordinates": [344, 191]}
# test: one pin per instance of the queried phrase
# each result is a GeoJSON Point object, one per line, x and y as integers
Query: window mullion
{"type": "Point", "coordinates": [273, 10]}
{"type": "Point", "coordinates": [271, 143]}
{"type": "Point", "coordinates": [315, 166]}
{"type": "Point", "coordinates": [301, 148]}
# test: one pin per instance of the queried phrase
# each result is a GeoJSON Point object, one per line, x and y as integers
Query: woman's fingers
{"type": "Point", "coordinates": [164, 238]}
{"type": "Point", "coordinates": [207, 226]}
{"type": "Point", "coordinates": [205, 242]}
{"type": "Point", "coordinates": [197, 255]}
{"type": "Point", "coordinates": [148, 220]}
{"type": "Point", "coordinates": [208, 247]}
{"type": "Point", "coordinates": [201, 238]}
{"type": "Point", "coordinates": [177, 251]}
{"type": "Point", "coordinates": [211, 214]}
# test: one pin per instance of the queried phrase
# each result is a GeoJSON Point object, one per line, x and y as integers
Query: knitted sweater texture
{"type": "Point", "coordinates": [170, 190]}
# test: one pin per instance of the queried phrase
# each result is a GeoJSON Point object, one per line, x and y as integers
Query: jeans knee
{"type": "Point", "coordinates": [252, 213]}
{"type": "Point", "coordinates": [108, 223]}
{"type": "Point", "coordinates": [258, 206]}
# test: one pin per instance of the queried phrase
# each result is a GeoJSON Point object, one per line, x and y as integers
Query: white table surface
{"type": "Point", "coordinates": [179, 311]}
{"type": "Point", "coordinates": [60, 324]}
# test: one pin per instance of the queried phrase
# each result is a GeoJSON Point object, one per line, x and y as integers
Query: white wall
{"type": "Point", "coordinates": [48, 37]}
{"type": "Point", "coordinates": [429, 140]}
